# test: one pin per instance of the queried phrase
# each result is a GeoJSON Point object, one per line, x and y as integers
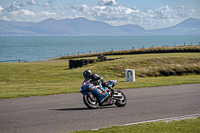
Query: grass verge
{"type": "Point", "coordinates": [47, 78]}
{"type": "Point", "coordinates": [182, 126]}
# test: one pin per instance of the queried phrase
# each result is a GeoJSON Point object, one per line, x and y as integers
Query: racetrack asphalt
{"type": "Point", "coordinates": [67, 112]}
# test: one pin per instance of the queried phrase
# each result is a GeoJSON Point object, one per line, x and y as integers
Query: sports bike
{"type": "Point", "coordinates": [116, 97]}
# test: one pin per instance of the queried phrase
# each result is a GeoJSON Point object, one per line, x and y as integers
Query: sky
{"type": "Point", "coordinates": [149, 14]}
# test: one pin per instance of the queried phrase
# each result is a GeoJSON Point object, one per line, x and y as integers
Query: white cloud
{"type": "Point", "coordinates": [50, 2]}
{"type": "Point", "coordinates": [108, 2]}
{"type": "Point", "coordinates": [23, 3]}
{"type": "Point", "coordinates": [16, 13]}
{"type": "Point", "coordinates": [32, 2]}
{"type": "Point", "coordinates": [161, 17]}
{"type": "Point", "coordinates": [28, 3]}
{"type": "Point", "coordinates": [27, 13]}
{"type": "Point", "coordinates": [149, 18]}
{"type": "Point", "coordinates": [1, 8]}
{"type": "Point", "coordinates": [13, 7]}
{"type": "Point", "coordinates": [46, 14]}
{"type": "Point", "coordinates": [20, 15]}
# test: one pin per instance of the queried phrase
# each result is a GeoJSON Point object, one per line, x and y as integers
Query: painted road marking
{"type": "Point", "coordinates": [164, 119]}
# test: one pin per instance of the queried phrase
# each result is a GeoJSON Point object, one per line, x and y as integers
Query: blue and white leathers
{"type": "Point", "coordinates": [112, 83]}
{"type": "Point", "coordinates": [87, 86]}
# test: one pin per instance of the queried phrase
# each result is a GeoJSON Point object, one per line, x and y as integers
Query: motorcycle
{"type": "Point", "coordinates": [116, 97]}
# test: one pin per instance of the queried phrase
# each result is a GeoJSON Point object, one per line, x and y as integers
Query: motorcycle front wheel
{"type": "Point", "coordinates": [90, 103]}
{"type": "Point", "coordinates": [122, 101]}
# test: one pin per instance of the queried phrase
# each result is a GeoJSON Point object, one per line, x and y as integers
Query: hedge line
{"type": "Point", "coordinates": [175, 49]}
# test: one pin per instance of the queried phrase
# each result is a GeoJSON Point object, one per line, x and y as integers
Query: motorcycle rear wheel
{"type": "Point", "coordinates": [122, 101]}
{"type": "Point", "coordinates": [90, 103]}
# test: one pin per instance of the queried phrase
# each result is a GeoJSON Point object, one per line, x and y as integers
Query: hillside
{"type": "Point", "coordinates": [84, 27]}
{"type": "Point", "coordinates": [188, 27]}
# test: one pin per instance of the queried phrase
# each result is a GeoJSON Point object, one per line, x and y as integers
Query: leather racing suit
{"type": "Point", "coordinates": [91, 84]}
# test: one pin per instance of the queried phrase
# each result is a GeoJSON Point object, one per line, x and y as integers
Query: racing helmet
{"type": "Point", "coordinates": [87, 74]}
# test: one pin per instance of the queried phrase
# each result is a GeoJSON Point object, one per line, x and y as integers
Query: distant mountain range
{"type": "Point", "coordinates": [84, 27]}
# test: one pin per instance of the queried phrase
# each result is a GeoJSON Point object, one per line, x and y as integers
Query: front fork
{"type": "Point", "coordinates": [90, 95]}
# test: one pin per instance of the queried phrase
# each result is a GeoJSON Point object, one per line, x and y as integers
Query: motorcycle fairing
{"type": "Point", "coordinates": [105, 101]}
{"type": "Point", "coordinates": [98, 90]}
{"type": "Point", "coordinates": [112, 82]}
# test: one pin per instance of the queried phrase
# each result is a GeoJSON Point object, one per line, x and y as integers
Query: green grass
{"type": "Point", "coordinates": [153, 64]}
{"type": "Point", "coordinates": [182, 126]}
{"type": "Point", "coordinates": [47, 78]}
{"type": "Point", "coordinates": [175, 49]}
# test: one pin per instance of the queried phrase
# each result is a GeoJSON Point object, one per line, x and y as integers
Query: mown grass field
{"type": "Point", "coordinates": [182, 126]}
{"type": "Point", "coordinates": [48, 78]}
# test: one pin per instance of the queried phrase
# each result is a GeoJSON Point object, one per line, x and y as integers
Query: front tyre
{"type": "Point", "coordinates": [90, 103]}
{"type": "Point", "coordinates": [122, 101]}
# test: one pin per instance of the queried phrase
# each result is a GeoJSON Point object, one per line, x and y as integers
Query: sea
{"type": "Point", "coordinates": [41, 48]}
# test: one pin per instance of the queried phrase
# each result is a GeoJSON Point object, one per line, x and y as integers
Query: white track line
{"type": "Point", "coordinates": [167, 119]}
{"type": "Point", "coordinates": [164, 119]}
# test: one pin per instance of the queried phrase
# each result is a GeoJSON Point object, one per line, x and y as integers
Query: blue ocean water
{"type": "Point", "coordinates": [43, 48]}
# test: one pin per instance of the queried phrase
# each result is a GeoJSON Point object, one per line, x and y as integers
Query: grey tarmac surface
{"type": "Point", "coordinates": [67, 112]}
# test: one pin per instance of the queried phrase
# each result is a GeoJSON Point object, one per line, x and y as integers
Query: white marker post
{"type": "Point", "coordinates": [130, 75]}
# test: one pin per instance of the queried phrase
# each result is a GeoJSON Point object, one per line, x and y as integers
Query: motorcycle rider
{"type": "Point", "coordinates": [91, 83]}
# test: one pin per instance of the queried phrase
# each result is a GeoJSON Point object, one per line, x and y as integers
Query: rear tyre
{"type": "Point", "coordinates": [121, 102]}
{"type": "Point", "coordinates": [90, 103]}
